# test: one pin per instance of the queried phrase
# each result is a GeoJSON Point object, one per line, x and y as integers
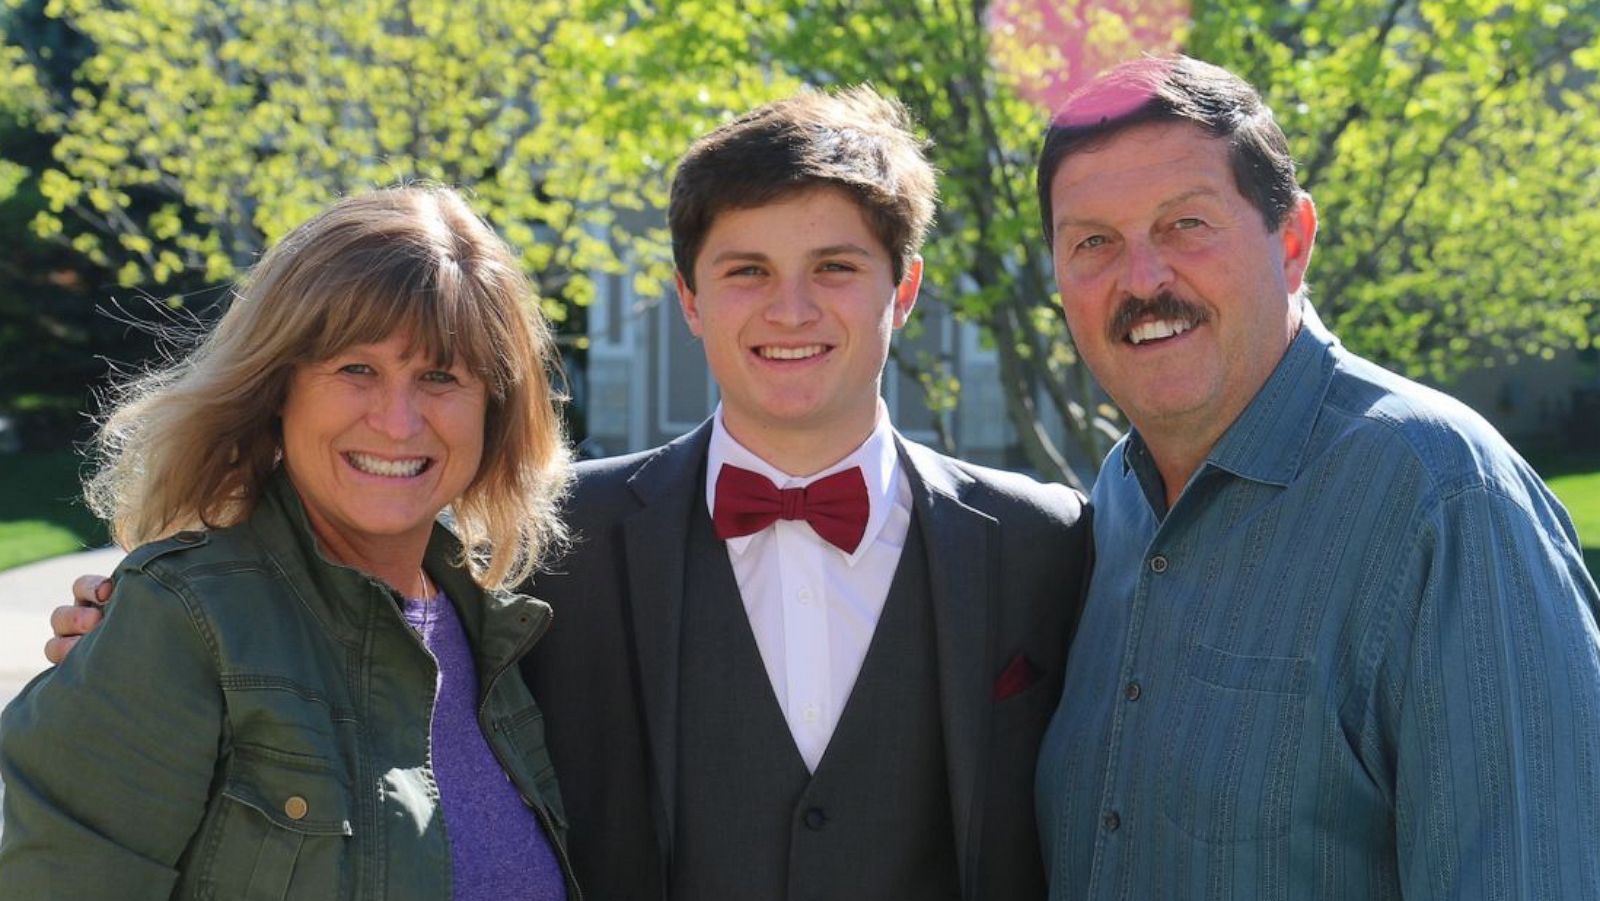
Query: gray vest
{"type": "Point", "coordinates": [873, 821]}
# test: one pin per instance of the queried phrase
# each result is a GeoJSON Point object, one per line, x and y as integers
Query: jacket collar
{"type": "Point", "coordinates": [963, 570]}
{"type": "Point", "coordinates": [344, 599]}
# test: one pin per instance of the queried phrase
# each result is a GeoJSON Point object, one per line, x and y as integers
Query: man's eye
{"type": "Point", "coordinates": [1188, 222]}
{"type": "Point", "coordinates": [1092, 242]}
{"type": "Point", "coordinates": [835, 266]}
{"type": "Point", "coordinates": [744, 271]}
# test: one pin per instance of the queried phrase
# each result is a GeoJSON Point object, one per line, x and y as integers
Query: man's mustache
{"type": "Point", "coordinates": [1165, 305]}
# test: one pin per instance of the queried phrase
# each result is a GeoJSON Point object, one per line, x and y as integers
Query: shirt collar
{"type": "Point", "coordinates": [877, 456]}
{"type": "Point", "coordinates": [1268, 440]}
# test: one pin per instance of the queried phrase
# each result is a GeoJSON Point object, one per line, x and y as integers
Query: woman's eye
{"type": "Point", "coordinates": [356, 369]}
{"type": "Point", "coordinates": [440, 376]}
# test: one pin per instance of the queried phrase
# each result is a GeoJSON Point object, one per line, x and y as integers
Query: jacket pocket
{"type": "Point", "coordinates": [280, 831]}
{"type": "Point", "coordinates": [1229, 762]}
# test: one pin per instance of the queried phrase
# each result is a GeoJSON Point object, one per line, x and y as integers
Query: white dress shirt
{"type": "Point", "coordinates": [812, 607]}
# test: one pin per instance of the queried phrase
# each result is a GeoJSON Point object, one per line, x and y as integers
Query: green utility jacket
{"type": "Point", "coordinates": [251, 721]}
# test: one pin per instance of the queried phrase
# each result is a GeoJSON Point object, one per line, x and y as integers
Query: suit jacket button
{"type": "Point", "coordinates": [816, 819]}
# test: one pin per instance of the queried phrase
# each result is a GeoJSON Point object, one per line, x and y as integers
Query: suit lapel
{"type": "Point", "coordinates": [961, 543]}
{"type": "Point", "coordinates": [655, 537]}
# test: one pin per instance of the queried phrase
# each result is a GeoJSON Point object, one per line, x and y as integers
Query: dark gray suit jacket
{"type": "Point", "coordinates": [1009, 560]}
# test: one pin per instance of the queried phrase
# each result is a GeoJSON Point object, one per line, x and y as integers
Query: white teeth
{"type": "Point", "coordinates": [378, 466]}
{"type": "Point", "coordinates": [789, 353]}
{"type": "Point", "coordinates": [1161, 328]}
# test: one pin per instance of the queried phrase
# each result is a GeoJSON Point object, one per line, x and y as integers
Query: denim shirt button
{"type": "Point", "coordinates": [1112, 821]}
{"type": "Point", "coordinates": [1158, 564]}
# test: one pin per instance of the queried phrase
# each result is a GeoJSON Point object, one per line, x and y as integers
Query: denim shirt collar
{"type": "Point", "coordinates": [1268, 441]}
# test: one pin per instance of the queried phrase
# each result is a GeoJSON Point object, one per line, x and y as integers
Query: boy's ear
{"type": "Point", "coordinates": [905, 293]}
{"type": "Point", "coordinates": [686, 301]}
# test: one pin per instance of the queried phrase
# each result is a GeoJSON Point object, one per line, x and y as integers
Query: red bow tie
{"type": "Point", "coordinates": [835, 507]}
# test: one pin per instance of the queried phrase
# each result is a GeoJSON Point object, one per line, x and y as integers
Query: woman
{"type": "Point", "coordinates": [305, 688]}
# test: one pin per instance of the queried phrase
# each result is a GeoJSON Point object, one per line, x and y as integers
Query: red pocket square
{"type": "Point", "coordinates": [1018, 675]}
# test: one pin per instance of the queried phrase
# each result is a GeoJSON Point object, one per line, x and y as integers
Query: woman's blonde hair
{"type": "Point", "coordinates": [193, 445]}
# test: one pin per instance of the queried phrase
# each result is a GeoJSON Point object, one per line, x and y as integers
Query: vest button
{"type": "Point", "coordinates": [296, 807]}
{"type": "Point", "coordinates": [816, 819]}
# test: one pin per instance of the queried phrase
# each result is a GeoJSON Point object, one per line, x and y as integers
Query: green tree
{"type": "Point", "coordinates": [199, 131]}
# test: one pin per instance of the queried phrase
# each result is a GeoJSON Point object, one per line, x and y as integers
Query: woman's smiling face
{"type": "Point", "coordinates": [377, 440]}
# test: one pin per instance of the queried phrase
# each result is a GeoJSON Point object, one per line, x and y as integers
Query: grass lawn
{"type": "Point", "coordinates": [1580, 494]}
{"type": "Point", "coordinates": [41, 514]}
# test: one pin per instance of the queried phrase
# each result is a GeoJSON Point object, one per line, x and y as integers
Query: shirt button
{"type": "Point", "coordinates": [804, 597]}
{"type": "Point", "coordinates": [296, 808]}
{"type": "Point", "coordinates": [810, 713]}
{"type": "Point", "coordinates": [1112, 822]}
{"type": "Point", "coordinates": [1158, 564]}
{"type": "Point", "coordinates": [816, 818]}
{"type": "Point", "coordinates": [1132, 691]}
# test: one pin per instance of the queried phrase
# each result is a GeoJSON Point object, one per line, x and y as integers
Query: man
{"type": "Point", "coordinates": [1339, 643]}
{"type": "Point", "coordinates": [843, 707]}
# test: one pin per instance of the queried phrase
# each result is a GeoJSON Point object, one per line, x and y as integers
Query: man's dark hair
{"type": "Point", "coordinates": [854, 140]}
{"type": "Point", "coordinates": [1176, 89]}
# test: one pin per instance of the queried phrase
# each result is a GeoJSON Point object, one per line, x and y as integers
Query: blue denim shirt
{"type": "Point", "coordinates": [1358, 658]}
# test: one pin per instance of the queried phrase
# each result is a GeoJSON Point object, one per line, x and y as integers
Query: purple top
{"type": "Point", "coordinates": [498, 850]}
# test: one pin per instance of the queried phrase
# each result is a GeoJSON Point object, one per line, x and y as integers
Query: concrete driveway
{"type": "Point", "coordinates": [27, 595]}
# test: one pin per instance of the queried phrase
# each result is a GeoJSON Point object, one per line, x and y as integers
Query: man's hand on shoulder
{"type": "Point", "coordinates": [72, 622]}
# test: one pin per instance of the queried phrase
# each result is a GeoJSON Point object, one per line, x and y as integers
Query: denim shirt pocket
{"type": "Point", "coordinates": [1229, 762]}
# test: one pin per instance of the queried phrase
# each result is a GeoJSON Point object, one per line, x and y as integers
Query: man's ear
{"type": "Point", "coordinates": [686, 301]}
{"type": "Point", "coordinates": [905, 293]}
{"type": "Point", "coordinates": [1299, 235]}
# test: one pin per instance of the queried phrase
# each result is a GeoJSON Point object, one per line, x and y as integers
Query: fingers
{"type": "Point", "coordinates": [69, 624]}
{"type": "Point", "coordinates": [91, 589]}
{"type": "Point", "coordinates": [55, 650]}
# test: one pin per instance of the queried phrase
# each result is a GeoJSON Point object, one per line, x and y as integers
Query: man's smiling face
{"type": "Point", "coordinates": [795, 302]}
{"type": "Point", "coordinates": [1177, 294]}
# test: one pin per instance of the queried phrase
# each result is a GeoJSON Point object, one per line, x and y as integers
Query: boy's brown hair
{"type": "Point", "coordinates": [854, 140]}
